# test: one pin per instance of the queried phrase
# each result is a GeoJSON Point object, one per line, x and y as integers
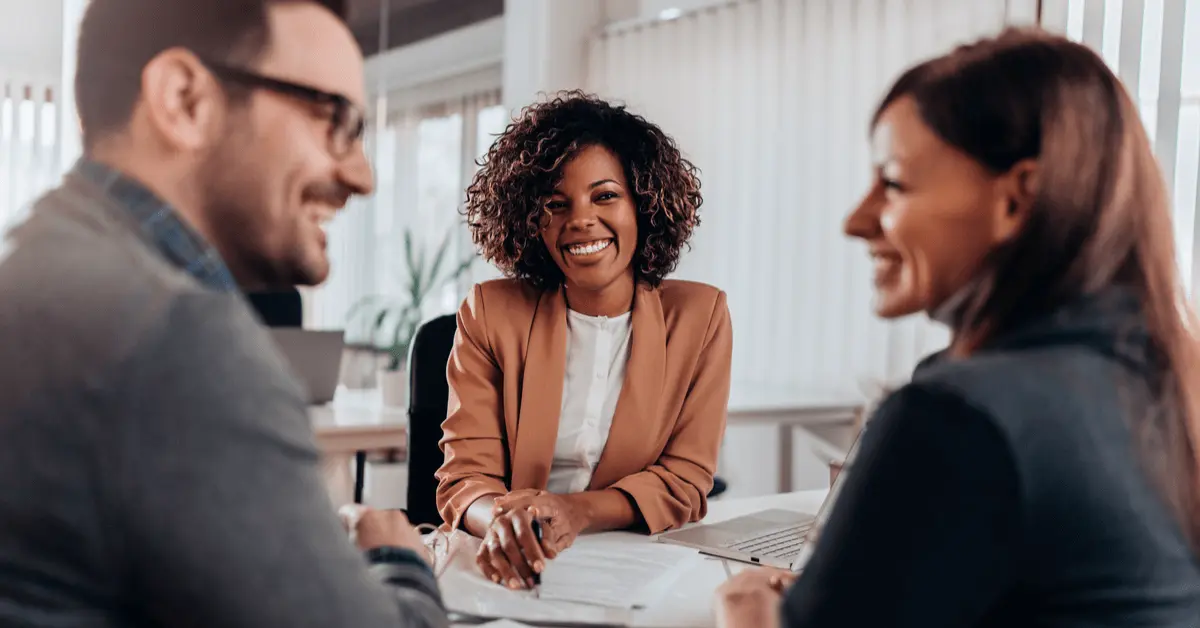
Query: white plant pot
{"type": "Point", "coordinates": [394, 387]}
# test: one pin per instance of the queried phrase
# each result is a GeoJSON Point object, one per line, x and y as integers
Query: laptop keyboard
{"type": "Point", "coordinates": [784, 543]}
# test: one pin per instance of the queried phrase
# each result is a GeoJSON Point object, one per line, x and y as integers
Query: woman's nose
{"type": "Point", "coordinates": [863, 221]}
{"type": "Point", "coordinates": [582, 216]}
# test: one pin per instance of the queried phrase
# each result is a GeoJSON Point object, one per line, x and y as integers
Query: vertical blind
{"type": "Point", "coordinates": [1154, 46]}
{"type": "Point", "coordinates": [771, 99]}
{"type": "Point", "coordinates": [29, 148]}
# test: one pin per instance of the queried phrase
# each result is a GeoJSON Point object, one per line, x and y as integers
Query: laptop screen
{"type": "Point", "coordinates": [814, 533]}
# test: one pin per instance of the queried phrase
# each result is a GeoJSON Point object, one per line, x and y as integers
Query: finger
{"type": "Point", "coordinates": [558, 540]}
{"type": "Point", "coordinates": [351, 514]}
{"type": "Point", "coordinates": [521, 496]}
{"type": "Point", "coordinates": [531, 548]}
{"type": "Point", "coordinates": [511, 505]}
{"type": "Point", "coordinates": [503, 568]}
{"type": "Point", "coordinates": [484, 561]}
{"type": "Point", "coordinates": [781, 580]}
{"type": "Point", "coordinates": [559, 534]}
{"type": "Point", "coordinates": [511, 549]}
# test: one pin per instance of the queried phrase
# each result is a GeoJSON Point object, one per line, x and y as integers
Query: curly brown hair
{"type": "Point", "coordinates": [504, 206]}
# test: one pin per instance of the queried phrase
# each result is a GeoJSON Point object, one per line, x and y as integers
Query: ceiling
{"type": "Point", "coordinates": [413, 20]}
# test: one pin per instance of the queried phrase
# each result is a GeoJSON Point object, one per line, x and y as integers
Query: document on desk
{"type": "Point", "coordinates": [608, 570]}
{"type": "Point", "coordinates": [620, 570]}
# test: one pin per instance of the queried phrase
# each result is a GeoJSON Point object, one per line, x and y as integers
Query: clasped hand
{"type": "Point", "coordinates": [751, 599]}
{"type": "Point", "coordinates": [510, 553]}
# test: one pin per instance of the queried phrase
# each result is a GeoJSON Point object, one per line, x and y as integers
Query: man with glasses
{"type": "Point", "coordinates": [158, 467]}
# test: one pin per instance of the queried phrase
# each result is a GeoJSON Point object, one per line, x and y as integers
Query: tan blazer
{"type": "Point", "coordinates": [506, 377]}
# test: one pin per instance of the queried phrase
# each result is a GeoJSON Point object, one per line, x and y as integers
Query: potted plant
{"type": "Point", "coordinates": [388, 323]}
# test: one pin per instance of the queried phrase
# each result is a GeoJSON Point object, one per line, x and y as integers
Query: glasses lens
{"type": "Point", "coordinates": [348, 128]}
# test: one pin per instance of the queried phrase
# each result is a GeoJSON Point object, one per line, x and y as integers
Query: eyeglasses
{"type": "Point", "coordinates": [347, 121]}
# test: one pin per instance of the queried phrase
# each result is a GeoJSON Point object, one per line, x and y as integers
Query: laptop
{"type": "Point", "coordinates": [315, 358]}
{"type": "Point", "coordinates": [776, 538]}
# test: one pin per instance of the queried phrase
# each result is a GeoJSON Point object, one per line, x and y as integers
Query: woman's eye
{"type": "Point", "coordinates": [605, 196]}
{"type": "Point", "coordinates": [555, 206]}
{"type": "Point", "coordinates": [892, 185]}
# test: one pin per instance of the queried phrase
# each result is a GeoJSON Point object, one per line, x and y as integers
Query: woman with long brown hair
{"type": "Point", "coordinates": [1042, 471]}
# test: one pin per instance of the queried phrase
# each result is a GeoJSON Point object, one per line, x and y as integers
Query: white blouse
{"type": "Point", "coordinates": [597, 352]}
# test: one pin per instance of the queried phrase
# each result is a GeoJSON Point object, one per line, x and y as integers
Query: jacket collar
{"type": "Point", "coordinates": [1108, 321]}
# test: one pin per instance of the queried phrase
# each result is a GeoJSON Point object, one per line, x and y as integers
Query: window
{"type": "Point", "coordinates": [424, 158]}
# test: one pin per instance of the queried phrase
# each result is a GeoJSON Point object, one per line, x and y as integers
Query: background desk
{"type": "Point", "coordinates": [356, 425]}
{"type": "Point", "coordinates": [782, 438]}
{"type": "Point", "coordinates": [778, 438]}
{"type": "Point", "coordinates": [690, 601]}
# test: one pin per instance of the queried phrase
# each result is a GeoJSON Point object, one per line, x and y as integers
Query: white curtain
{"type": "Point", "coordinates": [771, 99]}
{"type": "Point", "coordinates": [1154, 46]}
{"type": "Point", "coordinates": [29, 147]}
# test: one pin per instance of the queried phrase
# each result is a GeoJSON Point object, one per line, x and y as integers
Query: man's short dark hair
{"type": "Point", "coordinates": [117, 38]}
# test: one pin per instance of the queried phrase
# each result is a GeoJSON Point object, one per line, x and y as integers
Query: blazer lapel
{"type": "Point", "coordinates": [541, 394]}
{"type": "Point", "coordinates": [638, 406]}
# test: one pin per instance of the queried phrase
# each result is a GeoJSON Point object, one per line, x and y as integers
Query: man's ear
{"type": "Point", "coordinates": [1016, 192]}
{"type": "Point", "coordinates": [182, 100]}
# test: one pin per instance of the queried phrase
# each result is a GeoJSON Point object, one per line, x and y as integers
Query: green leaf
{"type": "Point", "coordinates": [409, 251]}
{"type": "Point", "coordinates": [436, 266]}
{"type": "Point", "coordinates": [463, 267]}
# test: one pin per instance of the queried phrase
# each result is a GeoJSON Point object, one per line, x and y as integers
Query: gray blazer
{"type": "Point", "coordinates": [157, 464]}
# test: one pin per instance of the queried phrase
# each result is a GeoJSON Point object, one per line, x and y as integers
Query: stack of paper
{"type": "Point", "coordinates": [600, 580]}
{"type": "Point", "coordinates": [607, 570]}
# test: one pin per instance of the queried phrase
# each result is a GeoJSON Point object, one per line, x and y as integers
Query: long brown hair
{"type": "Point", "coordinates": [1101, 215]}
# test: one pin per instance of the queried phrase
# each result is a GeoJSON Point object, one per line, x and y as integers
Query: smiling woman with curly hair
{"type": "Point", "coordinates": [506, 203]}
{"type": "Point", "coordinates": [587, 391]}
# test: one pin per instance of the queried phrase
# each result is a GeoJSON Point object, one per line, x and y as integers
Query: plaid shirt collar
{"type": "Point", "coordinates": [177, 242]}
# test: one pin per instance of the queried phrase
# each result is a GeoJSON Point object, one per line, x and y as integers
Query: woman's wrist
{"type": "Point", "coordinates": [479, 515]}
{"type": "Point", "coordinates": [582, 510]}
{"type": "Point", "coordinates": [599, 511]}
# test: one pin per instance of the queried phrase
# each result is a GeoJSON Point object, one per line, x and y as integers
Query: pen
{"type": "Point", "coordinates": [537, 577]}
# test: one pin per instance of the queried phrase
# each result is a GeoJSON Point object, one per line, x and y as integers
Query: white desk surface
{"type": "Point", "coordinates": [752, 398]}
{"type": "Point", "coordinates": [359, 408]}
{"type": "Point", "coordinates": [689, 603]}
{"type": "Point", "coordinates": [357, 420]}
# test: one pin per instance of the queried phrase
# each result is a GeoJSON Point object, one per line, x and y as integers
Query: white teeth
{"type": "Point", "coordinates": [324, 216]}
{"type": "Point", "coordinates": [590, 248]}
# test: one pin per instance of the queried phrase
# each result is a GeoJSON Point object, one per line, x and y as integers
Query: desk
{"type": "Point", "coordinates": [353, 425]}
{"type": "Point", "coordinates": [690, 601]}
{"type": "Point", "coordinates": [827, 415]}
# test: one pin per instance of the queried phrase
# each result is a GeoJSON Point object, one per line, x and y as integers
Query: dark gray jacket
{"type": "Point", "coordinates": [157, 464]}
{"type": "Point", "coordinates": [1009, 489]}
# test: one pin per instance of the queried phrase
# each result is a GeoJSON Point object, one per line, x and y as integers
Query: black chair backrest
{"type": "Point", "coordinates": [278, 308]}
{"type": "Point", "coordinates": [428, 395]}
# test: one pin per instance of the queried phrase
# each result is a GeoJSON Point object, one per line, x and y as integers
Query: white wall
{"type": "Point", "coordinates": [31, 38]}
{"type": "Point", "coordinates": [429, 64]}
{"type": "Point", "coordinates": [545, 47]}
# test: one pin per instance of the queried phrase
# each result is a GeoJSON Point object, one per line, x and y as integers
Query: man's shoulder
{"type": "Point", "coordinates": [75, 276]}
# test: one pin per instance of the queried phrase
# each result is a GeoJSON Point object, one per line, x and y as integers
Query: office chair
{"type": "Point", "coordinates": [428, 395]}
{"type": "Point", "coordinates": [278, 308]}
